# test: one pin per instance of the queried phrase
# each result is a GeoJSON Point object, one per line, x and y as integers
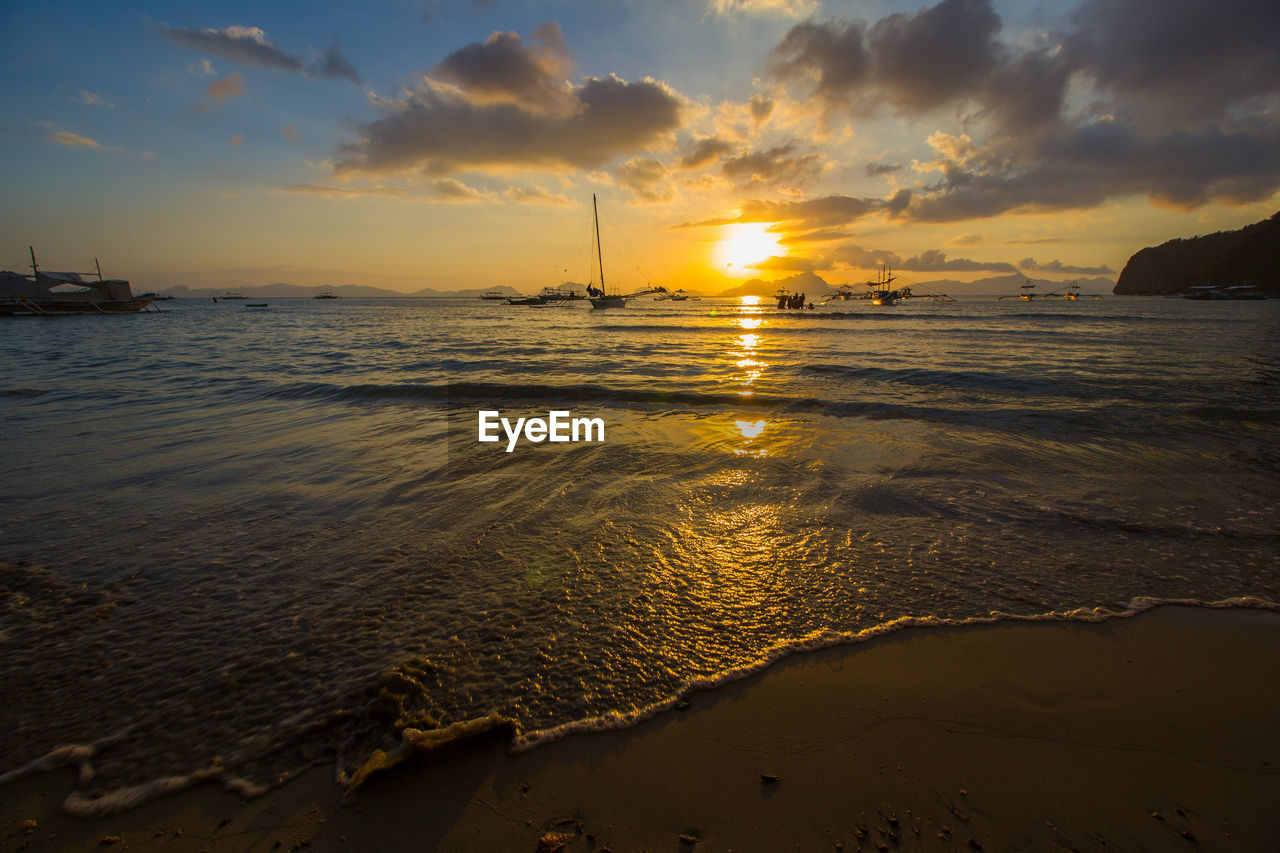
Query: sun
{"type": "Point", "coordinates": [743, 245]}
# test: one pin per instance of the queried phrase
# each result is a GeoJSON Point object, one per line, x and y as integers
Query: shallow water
{"type": "Point", "coordinates": [256, 539]}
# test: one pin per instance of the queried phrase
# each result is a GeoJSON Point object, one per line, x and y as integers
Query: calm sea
{"type": "Point", "coordinates": [243, 541]}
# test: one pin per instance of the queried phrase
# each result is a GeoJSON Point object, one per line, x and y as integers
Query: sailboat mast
{"type": "Point", "coordinates": [34, 270]}
{"type": "Point", "coordinates": [595, 212]}
{"type": "Point", "coordinates": [99, 266]}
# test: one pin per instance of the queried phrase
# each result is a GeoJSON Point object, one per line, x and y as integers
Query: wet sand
{"type": "Point", "coordinates": [1156, 732]}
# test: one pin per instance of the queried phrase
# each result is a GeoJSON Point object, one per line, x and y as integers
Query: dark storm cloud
{"type": "Point", "coordinates": [250, 46]}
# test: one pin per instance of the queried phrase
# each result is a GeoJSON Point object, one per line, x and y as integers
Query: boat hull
{"type": "Point", "coordinates": [45, 306]}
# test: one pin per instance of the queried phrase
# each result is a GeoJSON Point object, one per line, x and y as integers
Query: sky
{"type": "Point", "coordinates": [413, 144]}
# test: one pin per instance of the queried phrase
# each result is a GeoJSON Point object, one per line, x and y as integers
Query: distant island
{"type": "Point", "coordinates": [283, 290]}
{"type": "Point", "coordinates": [1227, 258]}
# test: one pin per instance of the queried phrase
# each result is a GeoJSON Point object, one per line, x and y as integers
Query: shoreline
{"type": "Point", "coordinates": [1155, 730]}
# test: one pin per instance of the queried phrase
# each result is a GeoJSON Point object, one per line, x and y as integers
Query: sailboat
{"type": "Point", "coordinates": [599, 298]}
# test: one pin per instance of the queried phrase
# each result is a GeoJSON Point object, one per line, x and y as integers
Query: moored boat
{"type": "Point", "coordinates": [599, 297]}
{"type": "Point", "coordinates": [46, 293]}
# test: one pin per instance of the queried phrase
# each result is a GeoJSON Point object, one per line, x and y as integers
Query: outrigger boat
{"type": "Point", "coordinates": [45, 292]}
{"type": "Point", "coordinates": [880, 291]}
{"type": "Point", "coordinates": [1238, 291]}
{"type": "Point", "coordinates": [1026, 293]}
{"type": "Point", "coordinates": [1073, 293]}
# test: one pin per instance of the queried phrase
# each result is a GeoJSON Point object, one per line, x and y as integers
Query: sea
{"type": "Point", "coordinates": [237, 543]}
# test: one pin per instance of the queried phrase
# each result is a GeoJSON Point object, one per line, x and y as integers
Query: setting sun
{"type": "Point", "coordinates": [745, 245]}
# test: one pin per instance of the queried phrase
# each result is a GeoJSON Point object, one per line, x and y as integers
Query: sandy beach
{"type": "Point", "coordinates": [1156, 732]}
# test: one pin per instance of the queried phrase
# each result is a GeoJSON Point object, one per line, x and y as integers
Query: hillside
{"type": "Point", "coordinates": [1248, 256]}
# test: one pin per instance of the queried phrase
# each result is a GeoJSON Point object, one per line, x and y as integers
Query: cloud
{"type": "Point", "coordinates": [821, 212]}
{"type": "Point", "coordinates": [1056, 266]}
{"type": "Point", "coordinates": [75, 140]}
{"type": "Point", "coordinates": [236, 139]}
{"type": "Point", "coordinates": [930, 260]}
{"type": "Point", "coordinates": [228, 87]}
{"type": "Point", "coordinates": [875, 170]}
{"type": "Point", "coordinates": [790, 8]}
{"type": "Point", "coordinates": [1178, 60]}
{"type": "Point", "coordinates": [448, 189]}
{"type": "Point", "coordinates": [646, 178]}
{"type": "Point", "coordinates": [535, 195]}
{"type": "Point", "coordinates": [927, 59]}
{"type": "Point", "coordinates": [760, 107]}
{"type": "Point", "coordinates": [344, 192]}
{"type": "Point", "coordinates": [1103, 160]}
{"type": "Point", "coordinates": [486, 120]}
{"type": "Point", "coordinates": [250, 46]}
{"type": "Point", "coordinates": [706, 151]}
{"type": "Point", "coordinates": [773, 166]}
{"type": "Point", "coordinates": [934, 260]}
{"type": "Point", "coordinates": [821, 235]}
{"type": "Point", "coordinates": [90, 99]}
{"type": "Point", "coordinates": [966, 240]}
{"type": "Point", "coordinates": [291, 133]}
{"type": "Point", "coordinates": [66, 137]}
{"type": "Point", "coordinates": [502, 69]}
{"type": "Point", "coordinates": [1158, 107]}
{"type": "Point", "coordinates": [245, 45]}
{"type": "Point", "coordinates": [203, 68]}
{"type": "Point", "coordinates": [334, 64]}
{"type": "Point", "coordinates": [832, 56]}
{"type": "Point", "coordinates": [915, 63]}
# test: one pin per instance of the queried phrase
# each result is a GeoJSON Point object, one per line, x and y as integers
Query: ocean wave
{"type": "Point", "coordinates": [505, 394]}
{"type": "Point", "coordinates": [416, 738]}
{"type": "Point", "coordinates": [525, 741]}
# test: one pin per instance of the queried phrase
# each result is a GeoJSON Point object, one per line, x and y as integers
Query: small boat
{"type": "Point", "coordinates": [325, 294]}
{"type": "Point", "coordinates": [566, 292]}
{"type": "Point", "coordinates": [1216, 292]}
{"type": "Point", "coordinates": [674, 296]}
{"type": "Point", "coordinates": [1026, 293]}
{"type": "Point", "coordinates": [255, 305]}
{"type": "Point", "coordinates": [526, 300]}
{"type": "Point", "coordinates": [493, 294]}
{"type": "Point", "coordinates": [44, 292]}
{"type": "Point", "coordinates": [231, 294]}
{"type": "Point", "coordinates": [1072, 293]}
